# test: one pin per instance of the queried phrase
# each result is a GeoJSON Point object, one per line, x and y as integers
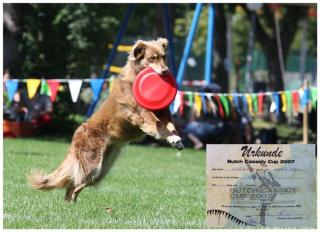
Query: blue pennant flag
{"type": "Point", "coordinates": [276, 99]}
{"type": "Point", "coordinates": [236, 102]}
{"type": "Point", "coordinates": [305, 98]}
{"type": "Point", "coordinates": [245, 104]}
{"type": "Point", "coordinates": [204, 103]}
{"type": "Point", "coordinates": [12, 87]}
{"type": "Point", "coordinates": [96, 85]}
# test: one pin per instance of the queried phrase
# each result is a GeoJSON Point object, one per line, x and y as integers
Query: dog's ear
{"type": "Point", "coordinates": [139, 50]}
{"type": "Point", "coordinates": [164, 42]}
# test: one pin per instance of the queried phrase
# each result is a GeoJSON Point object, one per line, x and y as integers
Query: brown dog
{"type": "Point", "coordinates": [97, 142]}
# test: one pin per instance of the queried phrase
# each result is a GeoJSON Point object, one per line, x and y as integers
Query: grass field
{"type": "Point", "coordinates": [147, 188]}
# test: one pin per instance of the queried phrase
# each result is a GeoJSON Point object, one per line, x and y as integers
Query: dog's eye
{"type": "Point", "coordinates": [164, 57]}
{"type": "Point", "coordinates": [152, 59]}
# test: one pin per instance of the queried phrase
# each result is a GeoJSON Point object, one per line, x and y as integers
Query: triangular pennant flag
{"type": "Point", "coordinates": [12, 87]}
{"type": "Point", "coordinates": [212, 105]}
{"type": "Point", "coordinates": [176, 103]}
{"type": "Point", "coordinates": [249, 103]}
{"type": "Point", "coordinates": [198, 104]}
{"type": "Point", "coordinates": [53, 85]}
{"type": "Point", "coordinates": [236, 102]}
{"type": "Point", "coordinates": [305, 97]}
{"type": "Point", "coordinates": [314, 97]}
{"type": "Point", "coordinates": [276, 99]}
{"type": "Point", "coordinates": [219, 106]}
{"type": "Point", "coordinates": [225, 104]}
{"type": "Point", "coordinates": [44, 89]}
{"type": "Point", "coordinates": [260, 103]}
{"type": "Point", "coordinates": [181, 104]}
{"type": "Point", "coordinates": [255, 102]}
{"type": "Point", "coordinates": [295, 100]}
{"type": "Point", "coordinates": [96, 85]}
{"type": "Point", "coordinates": [230, 97]}
{"type": "Point", "coordinates": [204, 103]}
{"type": "Point", "coordinates": [289, 101]}
{"type": "Point", "coordinates": [32, 86]}
{"type": "Point", "coordinates": [74, 87]}
{"type": "Point", "coordinates": [111, 83]}
{"type": "Point", "coordinates": [244, 102]}
{"type": "Point", "coordinates": [190, 99]}
{"type": "Point", "coordinates": [284, 102]}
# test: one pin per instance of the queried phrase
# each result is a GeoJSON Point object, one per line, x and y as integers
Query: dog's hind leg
{"type": "Point", "coordinates": [76, 192]}
{"type": "Point", "coordinates": [68, 195]}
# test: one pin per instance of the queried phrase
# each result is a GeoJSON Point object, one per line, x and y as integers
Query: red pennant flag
{"type": "Point", "coordinates": [219, 105]}
{"type": "Point", "coordinates": [295, 100]}
{"type": "Point", "coordinates": [53, 85]}
{"type": "Point", "coordinates": [181, 103]}
{"type": "Point", "coordinates": [260, 103]}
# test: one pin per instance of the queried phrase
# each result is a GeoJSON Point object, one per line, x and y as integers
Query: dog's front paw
{"type": "Point", "coordinates": [175, 141]}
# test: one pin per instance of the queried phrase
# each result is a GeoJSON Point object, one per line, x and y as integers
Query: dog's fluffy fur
{"type": "Point", "coordinates": [97, 142]}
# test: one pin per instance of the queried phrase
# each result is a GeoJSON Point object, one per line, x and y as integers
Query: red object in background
{"type": "Point", "coordinates": [43, 120]}
{"type": "Point", "coordinates": [312, 12]}
{"type": "Point", "coordinates": [260, 103]}
{"type": "Point", "coordinates": [14, 129]}
{"type": "Point", "coordinates": [153, 91]}
{"type": "Point", "coordinates": [220, 106]}
{"type": "Point", "coordinates": [295, 100]}
{"type": "Point", "coordinates": [54, 85]}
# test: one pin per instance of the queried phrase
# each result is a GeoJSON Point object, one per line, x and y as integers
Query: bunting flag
{"type": "Point", "coordinates": [249, 103]}
{"type": "Point", "coordinates": [74, 87]}
{"type": "Point", "coordinates": [53, 85]}
{"type": "Point", "coordinates": [289, 101]}
{"type": "Point", "coordinates": [212, 105]}
{"type": "Point", "coordinates": [236, 101]}
{"type": "Point", "coordinates": [260, 103]}
{"type": "Point", "coordinates": [12, 87]}
{"type": "Point", "coordinates": [295, 101]}
{"type": "Point", "coordinates": [190, 100]}
{"type": "Point", "coordinates": [198, 104]}
{"type": "Point", "coordinates": [219, 106]}
{"type": "Point", "coordinates": [225, 104]}
{"type": "Point", "coordinates": [32, 86]}
{"type": "Point", "coordinates": [277, 103]}
{"type": "Point", "coordinates": [44, 89]}
{"type": "Point", "coordinates": [305, 98]}
{"type": "Point", "coordinates": [314, 97]}
{"type": "Point", "coordinates": [181, 104]}
{"type": "Point", "coordinates": [176, 103]}
{"type": "Point", "coordinates": [255, 102]}
{"type": "Point", "coordinates": [284, 102]}
{"type": "Point", "coordinates": [204, 103]}
{"type": "Point", "coordinates": [96, 86]}
{"type": "Point", "coordinates": [245, 104]}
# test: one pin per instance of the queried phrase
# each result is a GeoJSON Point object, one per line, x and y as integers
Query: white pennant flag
{"type": "Point", "coordinates": [177, 102]}
{"type": "Point", "coordinates": [75, 86]}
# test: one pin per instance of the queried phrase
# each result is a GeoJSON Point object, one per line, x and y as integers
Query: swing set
{"type": "Point", "coordinates": [186, 53]}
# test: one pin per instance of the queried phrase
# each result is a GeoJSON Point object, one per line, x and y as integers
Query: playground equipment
{"type": "Point", "coordinates": [167, 25]}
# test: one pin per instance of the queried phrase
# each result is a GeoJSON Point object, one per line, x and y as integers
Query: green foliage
{"type": "Point", "coordinates": [146, 188]}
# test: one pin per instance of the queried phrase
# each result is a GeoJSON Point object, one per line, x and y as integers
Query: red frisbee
{"type": "Point", "coordinates": [153, 91]}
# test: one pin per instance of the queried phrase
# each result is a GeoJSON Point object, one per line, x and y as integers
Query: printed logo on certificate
{"type": "Point", "coordinates": [261, 186]}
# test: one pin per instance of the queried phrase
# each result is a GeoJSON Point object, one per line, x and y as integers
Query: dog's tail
{"type": "Point", "coordinates": [59, 178]}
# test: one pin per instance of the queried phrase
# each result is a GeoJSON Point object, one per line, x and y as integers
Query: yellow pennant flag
{"type": "Point", "coordinates": [32, 86]}
{"type": "Point", "coordinates": [230, 98]}
{"type": "Point", "coordinates": [198, 104]}
{"type": "Point", "coordinates": [110, 84]}
{"type": "Point", "coordinates": [249, 100]}
{"type": "Point", "coordinates": [284, 102]}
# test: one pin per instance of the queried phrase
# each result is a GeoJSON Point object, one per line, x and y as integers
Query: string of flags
{"type": "Point", "coordinates": [291, 101]}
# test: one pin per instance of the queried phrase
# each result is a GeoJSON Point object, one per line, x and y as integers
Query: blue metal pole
{"type": "Point", "coordinates": [168, 29]}
{"type": "Point", "coordinates": [188, 45]}
{"type": "Point", "coordinates": [111, 56]}
{"type": "Point", "coordinates": [209, 45]}
{"type": "Point", "coordinates": [118, 40]}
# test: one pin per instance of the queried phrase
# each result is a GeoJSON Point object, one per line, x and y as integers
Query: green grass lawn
{"type": "Point", "coordinates": [146, 188]}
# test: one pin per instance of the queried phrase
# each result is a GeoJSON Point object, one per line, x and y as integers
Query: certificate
{"type": "Point", "coordinates": [261, 186]}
